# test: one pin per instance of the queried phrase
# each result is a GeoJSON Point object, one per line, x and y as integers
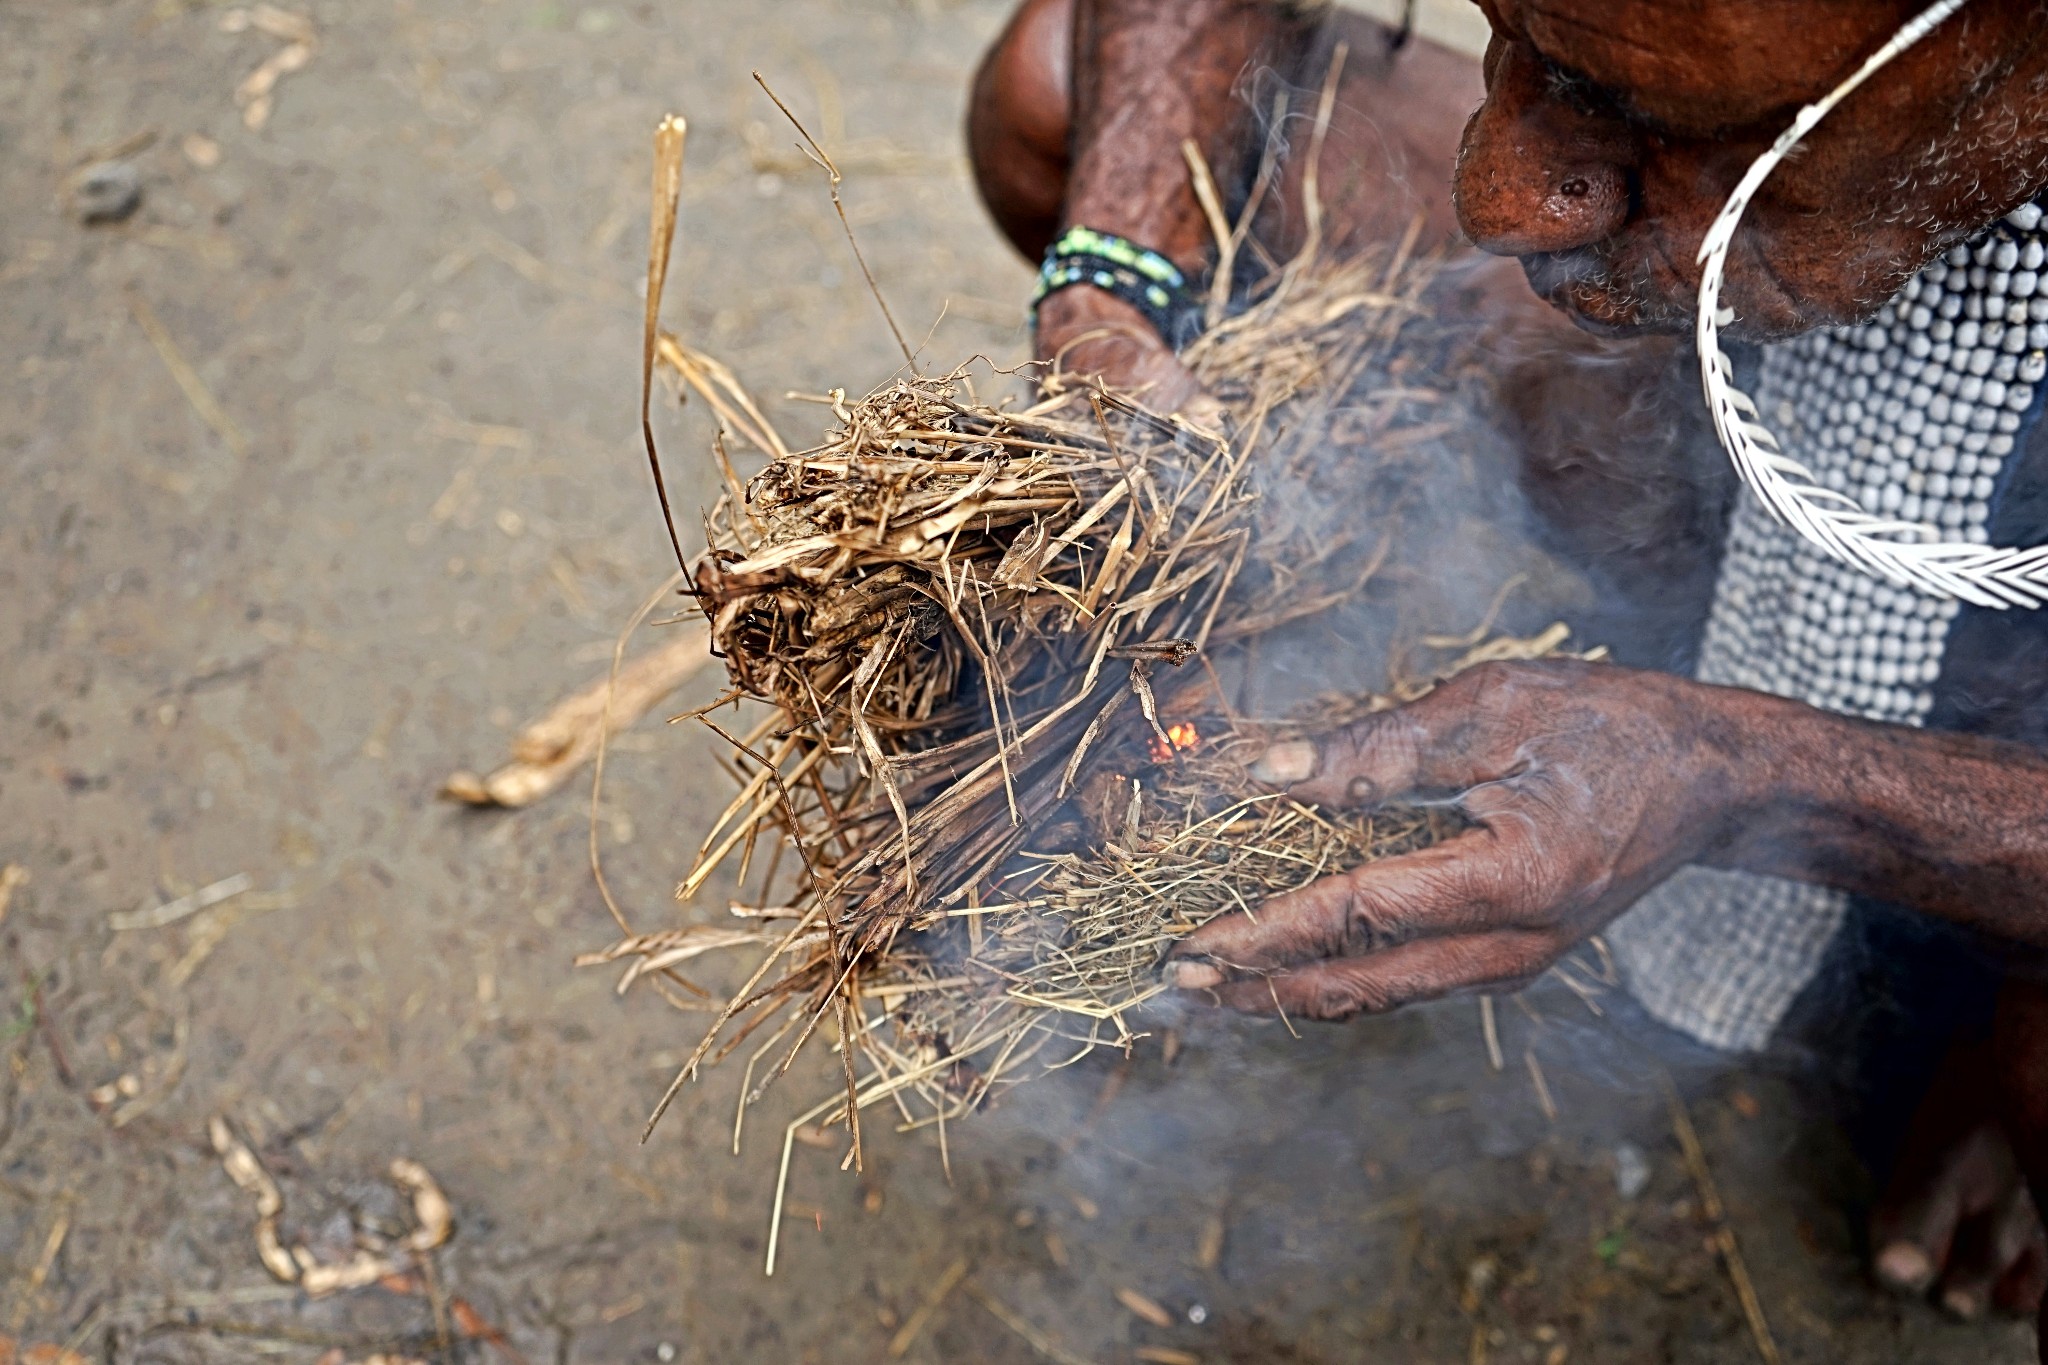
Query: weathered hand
{"type": "Point", "coordinates": [1588, 784]}
{"type": "Point", "coordinates": [1089, 332]}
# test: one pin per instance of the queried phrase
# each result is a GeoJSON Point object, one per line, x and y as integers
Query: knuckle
{"type": "Point", "coordinates": [1331, 999]}
{"type": "Point", "coordinates": [1480, 716]}
{"type": "Point", "coordinates": [1485, 687]}
{"type": "Point", "coordinates": [1376, 742]}
{"type": "Point", "coordinates": [1340, 995]}
{"type": "Point", "coordinates": [1530, 875]}
{"type": "Point", "coordinates": [1503, 685]}
{"type": "Point", "coordinates": [1369, 919]}
{"type": "Point", "coordinates": [1533, 877]}
{"type": "Point", "coordinates": [1381, 997]}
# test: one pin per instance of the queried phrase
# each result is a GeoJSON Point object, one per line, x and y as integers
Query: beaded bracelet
{"type": "Point", "coordinates": [1142, 278]}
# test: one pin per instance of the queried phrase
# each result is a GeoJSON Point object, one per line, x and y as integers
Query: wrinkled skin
{"type": "Point", "coordinates": [1567, 837]}
{"type": "Point", "coordinates": [1591, 783]}
{"type": "Point", "coordinates": [1077, 115]}
{"type": "Point", "coordinates": [1613, 130]}
{"type": "Point", "coordinates": [1606, 136]}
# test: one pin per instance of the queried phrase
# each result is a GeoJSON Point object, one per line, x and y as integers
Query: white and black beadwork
{"type": "Point", "coordinates": [1914, 414]}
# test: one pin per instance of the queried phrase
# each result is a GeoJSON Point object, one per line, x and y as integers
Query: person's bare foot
{"type": "Point", "coordinates": [2019, 1049]}
{"type": "Point", "coordinates": [1957, 1221]}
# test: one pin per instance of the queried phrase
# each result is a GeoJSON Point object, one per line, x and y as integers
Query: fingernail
{"type": "Point", "coordinates": [1965, 1304]}
{"type": "Point", "coordinates": [1192, 976]}
{"type": "Point", "coordinates": [1906, 1267]}
{"type": "Point", "coordinates": [1363, 791]}
{"type": "Point", "coordinates": [1289, 761]}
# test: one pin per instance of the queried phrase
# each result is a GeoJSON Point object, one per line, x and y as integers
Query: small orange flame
{"type": "Point", "coordinates": [1181, 737]}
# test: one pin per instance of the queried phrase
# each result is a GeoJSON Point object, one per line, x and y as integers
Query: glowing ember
{"type": "Point", "coordinates": [1182, 737]}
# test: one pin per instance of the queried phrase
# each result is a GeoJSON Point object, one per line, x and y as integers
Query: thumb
{"type": "Point", "coordinates": [1428, 746]}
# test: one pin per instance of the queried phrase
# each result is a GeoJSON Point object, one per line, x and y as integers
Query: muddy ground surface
{"type": "Point", "coordinates": [321, 475]}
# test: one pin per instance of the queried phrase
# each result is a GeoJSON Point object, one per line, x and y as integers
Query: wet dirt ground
{"type": "Point", "coordinates": [321, 474]}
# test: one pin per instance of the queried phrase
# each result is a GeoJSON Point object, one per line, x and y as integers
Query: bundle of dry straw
{"type": "Point", "coordinates": [982, 650]}
{"type": "Point", "coordinates": [966, 623]}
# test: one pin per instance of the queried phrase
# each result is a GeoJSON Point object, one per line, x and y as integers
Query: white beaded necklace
{"type": "Point", "coordinates": [1911, 415]}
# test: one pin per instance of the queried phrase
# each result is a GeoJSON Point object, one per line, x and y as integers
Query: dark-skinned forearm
{"type": "Point", "coordinates": [1149, 74]}
{"type": "Point", "coordinates": [1951, 824]}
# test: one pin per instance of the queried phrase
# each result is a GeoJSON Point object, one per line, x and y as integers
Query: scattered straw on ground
{"type": "Point", "coordinates": [549, 751]}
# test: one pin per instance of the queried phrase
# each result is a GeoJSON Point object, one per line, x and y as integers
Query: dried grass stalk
{"type": "Point", "coordinates": [550, 750]}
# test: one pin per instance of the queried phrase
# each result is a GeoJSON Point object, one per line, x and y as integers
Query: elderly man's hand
{"type": "Point", "coordinates": [1094, 334]}
{"type": "Point", "coordinates": [1588, 784]}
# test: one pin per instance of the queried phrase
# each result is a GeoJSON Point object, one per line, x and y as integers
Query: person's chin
{"type": "Point", "coordinates": [1603, 300]}
{"type": "Point", "coordinates": [1612, 298]}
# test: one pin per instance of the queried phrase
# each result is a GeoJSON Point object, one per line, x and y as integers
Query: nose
{"type": "Point", "coordinates": [1536, 173]}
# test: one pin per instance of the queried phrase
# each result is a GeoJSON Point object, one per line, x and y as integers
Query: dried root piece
{"type": "Point", "coordinates": [550, 750]}
{"type": "Point", "coordinates": [247, 1172]}
{"type": "Point", "coordinates": [430, 1207]}
{"type": "Point", "coordinates": [374, 1259]}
